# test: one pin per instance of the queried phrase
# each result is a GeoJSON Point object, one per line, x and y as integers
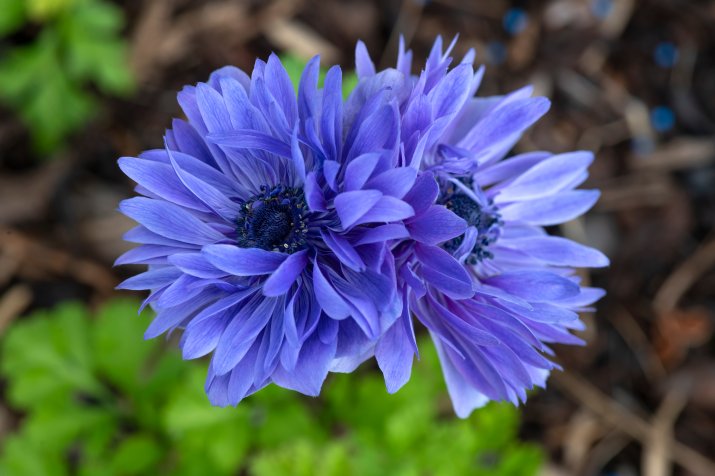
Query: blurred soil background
{"type": "Point", "coordinates": [634, 81]}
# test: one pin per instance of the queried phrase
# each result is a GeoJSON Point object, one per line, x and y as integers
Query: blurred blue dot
{"type": "Point", "coordinates": [642, 145]}
{"type": "Point", "coordinates": [662, 118]}
{"type": "Point", "coordinates": [515, 20]}
{"type": "Point", "coordinates": [665, 54]}
{"type": "Point", "coordinates": [602, 8]}
{"type": "Point", "coordinates": [497, 52]}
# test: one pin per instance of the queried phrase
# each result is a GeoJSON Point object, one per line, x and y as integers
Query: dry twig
{"type": "Point", "coordinates": [618, 416]}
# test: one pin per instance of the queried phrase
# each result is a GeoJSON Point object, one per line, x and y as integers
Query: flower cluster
{"type": "Point", "coordinates": [292, 235]}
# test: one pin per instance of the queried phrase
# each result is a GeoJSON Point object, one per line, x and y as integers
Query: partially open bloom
{"type": "Point", "coordinates": [264, 223]}
{"type": "Point", "coordinates": [496, 294]}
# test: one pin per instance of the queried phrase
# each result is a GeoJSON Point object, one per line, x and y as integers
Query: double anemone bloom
{"type": "Point", "coordinates": [290, 236]}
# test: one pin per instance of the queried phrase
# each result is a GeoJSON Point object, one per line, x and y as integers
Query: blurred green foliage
{"type": "Point", "coordinates": [46, 81]}
{"type": "Point", "coordinates": [99, 400]}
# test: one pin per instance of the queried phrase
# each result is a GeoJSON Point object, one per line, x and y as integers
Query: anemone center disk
{"type": "Point", "coordinates": [486, 220]}
{"type": "Point", "coordinates": [273, 220]}
{"type": "Point", "coordinates": [469, 210]}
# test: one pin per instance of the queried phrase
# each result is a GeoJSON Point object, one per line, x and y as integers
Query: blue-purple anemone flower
{"type": "Point", "coordinates": [264, 223]}
{"type": "Point", "coordinates": [290, 236]}
{"type": "Point", "coordinates": [478, 269]}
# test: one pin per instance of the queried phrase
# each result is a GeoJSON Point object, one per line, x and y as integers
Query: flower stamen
{"type": "Point", "coordinates": [273, 220]}
{"type": "Point", "coordinates": [486, 220]}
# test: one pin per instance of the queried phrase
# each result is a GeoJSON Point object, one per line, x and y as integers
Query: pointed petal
{"type": "Point", "coordinates": [243, 261]}
{"type": "Point", "coordinates": [285, 275]}
{"type": "Point", "coordinates": [169, 220]}
{"type": "Point", "coordinates": [436, 225]}
{"type": "Point", "coordinates": [558, 208]}
{"type": "Point", "coordinates": [536, 286]}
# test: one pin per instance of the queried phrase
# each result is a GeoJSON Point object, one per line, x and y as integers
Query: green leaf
{"type": "Point", "coordinates": [33, 82]}
{"type": "Point", "coordinates": [13, 15]}
{"type": "Point", "coordinates": [43, 10]}
{"type": "Point", "coordinates": [219, 435]}
{"type": "Point", "coordinates": [57, 429]}
{"type": "Point", "coordinates": [20, 457]}
{"type": "Point", "coordinates": [94, 51]}
{"type": "Point", "coordinates": [45, 81]}
{"type": "Point", "coordinates": [136, 455]}
{"type": "Point", "coordinates": [99, 17]}
{"type": "Point", "coordinates": [46, 357]}
{"type": "Point", "coordinates": [118, 331]}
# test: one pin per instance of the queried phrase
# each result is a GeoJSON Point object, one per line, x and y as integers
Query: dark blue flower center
{"type": "Point", "coordinates": [273, 220]}
{"type": "Point", "coordinates": [486, 220]}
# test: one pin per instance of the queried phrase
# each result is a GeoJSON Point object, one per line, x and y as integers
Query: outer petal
{"type": "Point", "coordinates": [311, 369]}
{"type": "Point", "coordinates": [536, 286]}
{"type": "Point", "coordinates": [394, 355]}
{"type": "Point", "coordinates": [243, 261]}
{"type": "Point", "coordinates": [558, 208]}
{"type": "Point", "coordinates": [169, 220]}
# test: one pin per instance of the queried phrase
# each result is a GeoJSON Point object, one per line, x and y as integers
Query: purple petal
{"type": "Point", "coordinates": [190, 142]}
{"type": "Point", "coordinates": [146, 254]}
{"type": "Point", "coordinates": [206, 193]}
{"type": "Point", "coordinates": [509, 168]}
{"type": "Point", "coordinates": [239, 335]}
{"type": "Point", "coordinates": [169, 318]}
{"type": "Point", "coordinates": [313, 194]}
{"type": "Point", "coordinates": [331, 120]}
{"type": "Point", "coordinates": [359, 170]}
{"type": "Point", "coordinates": [195, 264]}
{"type": "Point", "coordinates": [351, 206]}
{"type": "Point", "coordinates": [465, 398]}
{"type": "Point", "coordinates": [423, 194]}
{"type": "Point", "coordinates": [281, 87]}
{"type": "Point", "coordinates": [376, 132]}
{"type": "Point", "coordinates": [449, 95]}
{"type": "Point", "coordinates": [153, 279]}
{"type": "Point", "coordinates": [560, 251]}
{"type": "Point", "coordinates": [241, 378]}
{"type": "Point", "coordinates": [161, 180]}
{"type": "Point", "coordinates": [536, 286]}
{"type": "Point", "coordinates": [364, 66]}
{"type": "Point", "coordinates": [285, 275]}
{"type": "Point", "coordinates": [250, 139]}
{"type": "Point", "coordinates": [202, 336]}
{"type": "Point", "coordinates": [169, 220]}
{"type": "Point", "coordinates": [298, 160]}
{"type": "Point", "coordinates": [343, 250]}
{"type": "Point", "coordinates": [243, 261]}
{"type": "Point", "coordinates": [559, 208]}
{"type": "Point", "coordinates": [380, 234]}
{"type": "Point", "coordinates": [586, 297]}
{"type": "Point", "coordinates": [444, 272]}
{"type": "Point", "coordinates": [436, 225]}
{"type": "Point", "coordinates": [213, 108]}
{"type": "Point", "coordinates": [332, 303]}
{"type": "Point", "coordinates": [394, 355]}
{"type": "Point", "coordinates": [547, 177]}
{"type": "Point", "coordinates": [504, 122]}
{"type": "Point", "coordinates": [311, 369]}
{"type": "Point", "coordinates": [387, 209]}
{"type": "Point", "coordinates": [395, 182]}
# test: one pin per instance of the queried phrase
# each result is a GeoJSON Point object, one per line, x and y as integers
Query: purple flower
{"type": "Point", "coordinates": [264, 223]}
{"type": "Point", "coordinates": [479, 271]}
{"type": "Point", "coordinates": [293, 236]}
